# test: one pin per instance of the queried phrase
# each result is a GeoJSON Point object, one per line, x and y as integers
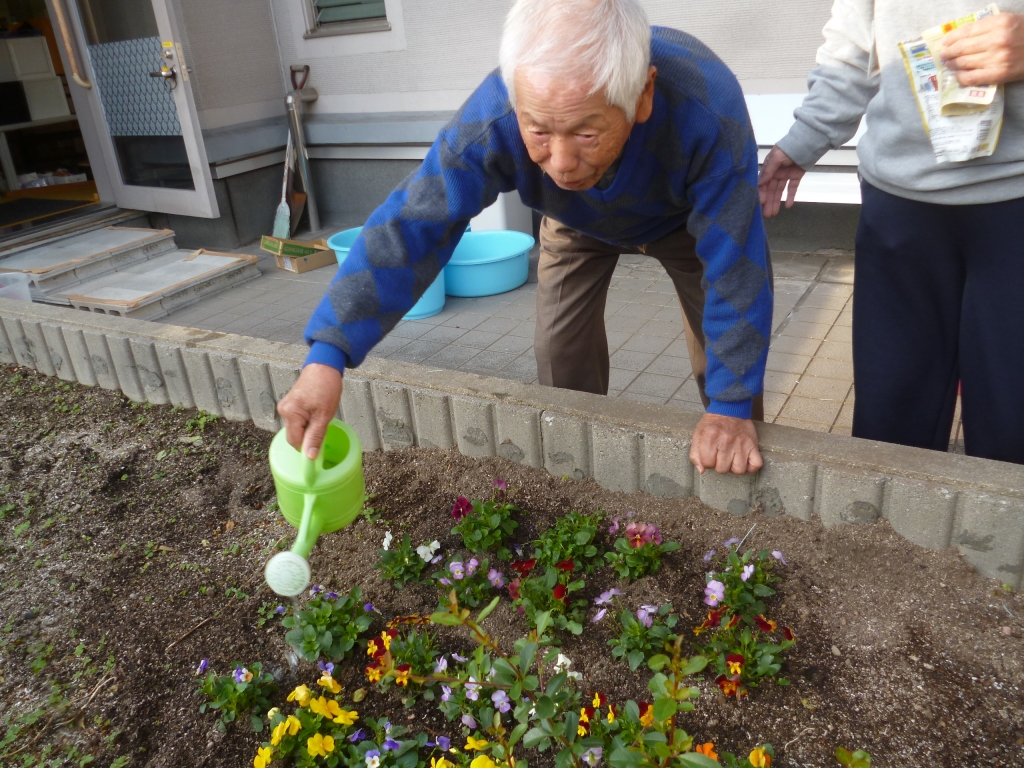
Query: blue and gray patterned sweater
{"type": "Point", "coordinates": [693, 164]}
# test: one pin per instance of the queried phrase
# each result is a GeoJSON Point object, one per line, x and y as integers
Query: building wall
{"type": "Point", "coordinates": [232, 49]}
{"type": "Point", "coordinates": [439, 50]}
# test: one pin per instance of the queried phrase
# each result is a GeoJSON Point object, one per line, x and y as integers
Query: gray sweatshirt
{"type": "Point", "coordinates": [860, 72]}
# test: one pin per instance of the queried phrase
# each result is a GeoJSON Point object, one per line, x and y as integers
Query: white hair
{"type": "Point", "coordinates": [604, 44]}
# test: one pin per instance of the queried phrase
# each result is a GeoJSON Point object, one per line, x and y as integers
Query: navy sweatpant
{"type": "Point", "coordinates": [938, 299]}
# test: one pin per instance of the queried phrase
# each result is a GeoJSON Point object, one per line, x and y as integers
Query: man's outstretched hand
{"type": "Point", "coordinates": [725, 444]}
{"type": "Point", "coordinates": [779, 175]}
{"type": "Point", "coordinates": [309, 406]}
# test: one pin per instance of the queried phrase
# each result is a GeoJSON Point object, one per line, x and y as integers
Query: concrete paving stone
{"type": "Point", "coordinates": [842, 333]}
{"type": "Point", "coordinates": [614, 307]}
{"type": "Point", "coordinates": [778, 381]}
{"type": "Point", "coordinates": [616, 339]}
{"type": "Point", "coordinates": [479, 339]}
{"type": "Point", "coordinates": [410, 330]}
{"type": "Point", "coordinates": [242, 325]}
{"type": "Point", "coordinates": [807, 409]}
{"type": "Point", "coordinates": [524, 366]}
{"type": "Point", "coordinates": [813, 426]}
{"type": "Point", "coordinates": [641, 342]}
{"type": "Point", "coordinates": [452, 356]}
{"type": "Point", "coordinates": [634, 361]}
{"type": "Point", "coordinates": [806, 330]}
{"type": "Point", "coordinates": [498, 325]}
{"type": "Point", "coordinates": [807, 314]}
{"type": "Point", "coordinates": [823, 301]}
{"type": "Point", "coordinates": [625, 324]}
{"type": "Point", "coordinates": [517, 312]}
{"type": "Point", "coordinates": [417, 350]}
{"type": "Point", "coordinates": [269, 327]}
{"type": "Point", "coordinates": [620, 378]}
{"type": "Point", "coordinates": [637, 397]}
{"type": "Point", "coordinates": [788, 264]}
{"type": "Point", "coordinates": [795, 345]}
{"type": "Point", "coordinates": [624, 294]}
{"type": "Point", "coordinates": [834, 390]}
{"type": "Point", "coordinates": [831, 369]}
{"type": "Point", "coordinates": [845, 318]}
{"type": "Point", "coordinates": [841, 429]}
{"type": "Point", "coordinates": [358, 411]}
{"type": "Point", "coordinates": [833, 289]}
{"type": "Point", "coordinates": [773, 402]}
{"type": "Point", "coordinates": [785, 363]}
{"type": "Point", "coordinates": [838, 270]}
{"type": "Point", "coordinates": [488, 362]}
{"type": "Point", "coordinates": [677, 348]}
{"type": "Point", "coordinates": [672, 314]}
{"type": "Point", "coordinates": [444, 333]}
{"type": "Point", "coordinates": [527, 328]}
{"type": "Point", "coordinates": [689, 391]}
{"type": "Point", "coordinates": [667, 466]}
{"type": "Point", "coordinates": [518, 434]}
{"type": "Point", "coordinates": [614, 392]}
{"type": "Point", "coordinates": [663, 328]}
{"type": "Point", "coordinates": [655, 385]}
{"type": "Point", "coordinates": [227, 379]}
{"type": "Point", "coordinates": [292, 335]}
{"type": "Point", "coordinates": [509, 343]}
{"type": "Point", "coordinates": [645, 311]}
{"type": "Point", "coordinates": [836, 350]}
{"type": "Point", "coordinates": [467, 320]}
{"type": "Point", "coordinates": [686, 405]}
{"type": "Point", "coordinates": [790, 285]}
{"type": "Point", "coordinates": [670, 366]}
{"type": "Point", "coordinates": [845, 417]}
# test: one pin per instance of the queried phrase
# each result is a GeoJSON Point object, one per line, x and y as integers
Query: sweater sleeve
{"type": "Point", "coordinates": [732, 245]}
{"type": "Point", "coordinates": [839, 88]}
{"type": "Point", "coordinates": [407, 241]}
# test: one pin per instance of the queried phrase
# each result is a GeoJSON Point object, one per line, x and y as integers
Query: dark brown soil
{"type": "Point", "coordinates": [137, 532]}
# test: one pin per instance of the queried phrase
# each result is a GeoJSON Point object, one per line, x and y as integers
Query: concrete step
{"type": "Point", "coordinates": [58, 265]}
{"type": "Point", "coordinates": [103, 216]}
{"type": "Point", "coordinates": [153, 288]}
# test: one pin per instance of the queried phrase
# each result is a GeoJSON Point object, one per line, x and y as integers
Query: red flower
{"type": "Point", "coordinates": [765, 625]}
{"type": "Point", "coordinates": [733, 621]}
{"type": "Point", "coordinates": [566, 565]}
{"type": "Point", "coordinates": [599, 700]}
{"type": "Point", "coordinates": [646, 714]}
{"type": "Point", "coordinates": [462, 508]}
{"type": "Point", "coordinates": [522, 567]}
{"type": "Point", "coordinates": [734, 662]}
{"type": "Point", "coordinates": [730, 686]}
{"type": "Point", "coordinates": [713, 620]}
{"type": "Point", "coordinates": [559, 591]}
{"type": "Point", "coordinates": [789, 634]}
{"type": "Point", "coordinates": [513, 589]}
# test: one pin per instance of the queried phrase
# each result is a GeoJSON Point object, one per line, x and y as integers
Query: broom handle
{"type": "Point", "coordinates": [287, 158]}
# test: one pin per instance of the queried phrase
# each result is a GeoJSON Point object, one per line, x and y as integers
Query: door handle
{"type": "Point", "coordinates": [167, 73]}
{"type": "Point", "coordinates": [65, 34]}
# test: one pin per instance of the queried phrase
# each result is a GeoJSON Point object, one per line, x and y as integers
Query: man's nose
{"type": "Point", "coordinates": [563, 156]}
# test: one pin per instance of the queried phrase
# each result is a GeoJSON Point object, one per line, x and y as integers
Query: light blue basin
{"type": "Point", "coordinates": [489, 262]}
{"type": "Point", "coordinates": [430, 303]}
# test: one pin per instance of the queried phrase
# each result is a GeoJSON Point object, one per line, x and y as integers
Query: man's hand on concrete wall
{"type": "Point", "coordinates": [987, 52]}
{"type": "Point", "coordinates": [309, 406]}
{"type": "Point", "coordinates": [725, 444]}
{"type": "Point", "coordinates": [777, 172]}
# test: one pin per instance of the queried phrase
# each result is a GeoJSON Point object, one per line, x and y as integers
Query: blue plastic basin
{"type": "Point", "coordinates": [486, 263]}
{"type": "Point", "coordinates": [430, 303]}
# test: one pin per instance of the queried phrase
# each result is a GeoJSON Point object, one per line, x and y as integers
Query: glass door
{"type": "Point", "coordinates": [136, 89]}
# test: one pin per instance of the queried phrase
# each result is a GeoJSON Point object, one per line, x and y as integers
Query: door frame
{"type": "Point", "coordinates": [200, 202]}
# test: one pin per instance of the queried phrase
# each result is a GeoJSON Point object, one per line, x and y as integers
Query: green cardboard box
{"type": "Point", "coordinates": [298, 255]}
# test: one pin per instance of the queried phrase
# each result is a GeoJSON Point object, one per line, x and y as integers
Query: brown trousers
{"type": "Point", "coordinates": [573, 276]}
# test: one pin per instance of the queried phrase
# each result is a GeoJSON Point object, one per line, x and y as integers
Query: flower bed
{"type": "Point", "coordinates": [134, 540]}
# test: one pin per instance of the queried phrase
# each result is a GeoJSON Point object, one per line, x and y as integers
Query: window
{"type": "Point", "coordinates": [344, 17]}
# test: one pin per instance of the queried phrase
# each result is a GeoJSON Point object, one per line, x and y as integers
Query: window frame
{"type": "Point", "coordinates": [356, 27]}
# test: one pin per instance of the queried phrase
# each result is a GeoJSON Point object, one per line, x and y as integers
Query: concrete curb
{"type": "Point", "coordinates": [933, 499]}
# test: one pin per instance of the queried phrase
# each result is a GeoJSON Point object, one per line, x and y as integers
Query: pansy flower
{"type": "Point", "coordinates": [522, 567]}
{"type": "Point", "coordinates": [496, 577]}
{"type": "Point", "coordinates": [426, 551]}
{"type": "Point", "coordinates": [471, 566]}
{"type": "Point", "coordinates": [262, 759]}
{"type": "Point", "coordinates": [374, 672]}
{"type": "Point", "coordinates": [242, 675]}
{"type": "Point", "coordinates": [203, 666]}
{"type": "Point", "coordinates": [328, 682]}
{"type": "Point", "coordinates": [501, 701]}
{"type": "Point", "coordinates": [646, 714]}
{"type": "Point", "coordinates": [475, 745]}
{"type": "Point", "coordinates": [728, 686]}
{"type": "Point", "coordinates": [646, 614]}
{"type": "Point", "coordinates": [778, 556]}
{"type": "Point", "coordinates": [734, 662]}
{"type": "Point", "coordinates": [566, 565]}
{"type": "Point", "coordinates": [599, 615]}
{"type": "Point", "coordinates": [469, 721]}
{"type": "Point", "coordinates": [599, 700]}
{"type": "Point", "coordinates": [610, 717]}
{"type": "Point", "coordinates": [559, 592]}
{"type": "Point", "coordinates": [748, 571]}
{"type": "Point", "coordinates": [513, 589]}
{"type": "Point", "coordinates": [443, 742]}
{"type": "Point", "coordinates": [300, 695]}
{"type": "Point", "coordinates": [788, 634]}
{"type": "Point", "coordinates": [730, 542]}
{"type": "Point", "coordinates": [402, 674]}
{"type": "Point", "coordinates": [606, 597]}
{"type": "Point", "coordinates": [714, 593]}
{"type": "Point", "coordinates": [458, 570]}
{"type": "Point", "coordinates": [372, 758]}
{"type": "Point", "coordinates": [592, 756]}
{"type": "Point", "coordinates": [759, 758]}
{"type": "Point", "coordinates": [319, 745]}
{"type": "Point", "coordinates": [287, 727]}
{"type": "Point", "coordinates": [358, 736]}
{"type": "Point", "coordinates": [765, 625]}
{"type": "Point", "coordinates": [462, 508]}
{"type": "Point", "coordinates": [388, 538]}
{"type": "Point", "coordinates": [472, 689]}
{"type": "Point", "coordinates": [483, 761]}
{"type": "Point", "coordinates": [711, 622]}
{"type": "Point", "coordinates": [707, 749]}
{"type": "Point", "coordinates": [441, 665]}
{"type": "Point", "coordinates": [391, 745]}
{"type": "Point", "coordinates": [501, 486]}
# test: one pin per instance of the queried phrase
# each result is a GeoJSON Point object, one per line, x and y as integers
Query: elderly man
{"type": "Point", "coordinates": [939, 276]}
{"type": "Point", "coordinates": [629, 140]}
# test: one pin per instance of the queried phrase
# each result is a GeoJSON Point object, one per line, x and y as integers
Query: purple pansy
{"type": "Point", "coordinates": [599, 615]}
{"type": "Point", "coordinates": [606, 597]}
{"type": "Point", "coordinates": [469, 722]}
{"type": "Point", "coordinates": [748, 571]}
{"type": "Point", "coordinates": [778, 556]}
{"type": "Point", "coordinates": [501, 701]}
{"type": "Point", "coordinates": [714, 593]}
{"type": "Point", "coordinates": [496, 577]}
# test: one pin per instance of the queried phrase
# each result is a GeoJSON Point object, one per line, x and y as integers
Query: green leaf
{"type": "Point", "coordinates": [517, 734]}
{"type": "Point", "coordinates": [694, 665]}
{"type": "Point", "coordinates": [635, 658]}
{"type": "Point", "coordinates": [555, 684]}
{"type": "Point", "coordinates": [658, 662]}
{"type": "Point", "coordinates": [487, 611]}
{"type": "Point", "coordinates": [533, 737]}
{"type": "Point", "coordinates": [443, 617]}
{"type": "Point", "coordinates": [527, 656]}
{"type": "Point", "coordinates": [664, 709]}
{"type": "Point", "coordinates": [697, 760]}
{"type": "Point", "coordinates": [625, 758]}
{"type": "Point", "coordinates": [762, 590]}
{"type": "Point", "coordinates": [582, 537]}
{"type": "Point", "coordinates": [545, 707]}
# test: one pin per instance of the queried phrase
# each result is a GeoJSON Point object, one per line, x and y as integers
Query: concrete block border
{"type": "Point", "coordinates": [933, 499]}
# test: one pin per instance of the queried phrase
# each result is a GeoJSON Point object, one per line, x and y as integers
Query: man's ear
{"type": "Point", "coordinates": [645, 104]}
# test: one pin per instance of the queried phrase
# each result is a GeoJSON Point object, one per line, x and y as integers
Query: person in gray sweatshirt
{"type": "Point", "coordinates": [939, 266]}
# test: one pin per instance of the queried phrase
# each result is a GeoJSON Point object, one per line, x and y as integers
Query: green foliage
{"type": "Point", "coordinates": [414, 647]}
{"type": "Point", "coordinates": [328, 626]}
{"type": "Point", "coordinates": [858, 759]}
{"type": "Point", "coordinates": [485, 525]}
{"type": "Point", "coordinates": [200, 422]}
{"type": "Point", "coordinates": [243, 691]}
{"type": "Point", "coordinates": [468, 579]}
{"type": "Point", "coordinates": [632, 563]}
{"type": "Point", "coordinates": [401, 563]}
{"type": "Point", "coordinates": [572, 537]}
{"type": "Point", "coordinates": [314, 734]}
{"type": "Point", "coordinates": [637, 642]}
{"type": "Point", "coordinates": [551, 593]}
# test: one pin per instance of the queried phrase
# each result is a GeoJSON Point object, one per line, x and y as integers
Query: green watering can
{"type": "Point", "coordinates": [316, 497]}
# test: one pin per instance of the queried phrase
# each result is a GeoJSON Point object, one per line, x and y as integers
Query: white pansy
{"type": "Point", "coordinates": [426, 551]}
{"type": "Point", "coordinates": [387, 540]}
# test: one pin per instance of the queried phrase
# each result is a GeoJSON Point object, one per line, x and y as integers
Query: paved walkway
{"type": "Point", "coordinates": [809, 380]}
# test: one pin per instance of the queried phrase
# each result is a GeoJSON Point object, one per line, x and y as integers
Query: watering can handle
{"type": "Point", "coordinates": [311, 468]}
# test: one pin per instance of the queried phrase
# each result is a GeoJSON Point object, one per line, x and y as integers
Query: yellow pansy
{"type": "Point", "coordinates": [611, 715]}
{"type": "Point", "coordinates": [581, 730]}
{"type": "Point", "coordinates": [372, 648]}
{"type": "Point", "coordinates": [273, 713]}
{"type": "Point", "coordinates": [759, 758]}
{"type": "Point", "coordinates": [301, 695]}
{"type": "Point", "coordinates": [330, 684]}
{"type": "Point", "coordinates": [442, 763]}
{"type": "Point", "coordinates": [483, 761]}
{"type": "Point", "coordinates": [290, 727]}
{"type": "Point", "coordinates": [328, 708]}
{"type": "Point", "coordinates": [387, 640]}
{"type": "Point", "coordinates": [346, 716]}
{"type": "Point", "coordinates": [473, 745]}
{"type": "Point", "coordinates": [318, 745]}
{"type": "Point", "coordinates": [262, 759]}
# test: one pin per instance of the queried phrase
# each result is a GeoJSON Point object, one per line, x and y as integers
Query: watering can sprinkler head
{"type": "Point", "coordinates": [316, 496]}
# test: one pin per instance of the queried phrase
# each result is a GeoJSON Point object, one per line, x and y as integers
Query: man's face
{"type": "Point", "coordinates": [573, 137]}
